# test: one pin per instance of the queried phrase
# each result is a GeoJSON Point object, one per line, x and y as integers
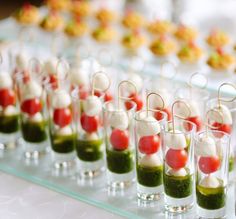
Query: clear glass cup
{"type": "Point", "coordinates": [212, 176]}
{"type": "Point", "coordinates": [230, 129]}
{"type": "Point", "coordinates": [90, 144]}
{"type": "Point", "coordinates": [119, 138]}
{"type": "Point", "coordinates": [178, 171]}
{"type": "Point", "coordinates": [197, 100]}
{"type": "Point", "coordinates": [149, 160]}
{"type": "Point", "coordinates": [33, 116]}
{"type": "Point", "coordinates": [9, 113]}
{"type": "Point", "coordinates": [62, 108]}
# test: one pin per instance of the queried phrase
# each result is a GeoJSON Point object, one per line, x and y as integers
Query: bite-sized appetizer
{"type": "Point", "coordinates": [76, 28]}
{"type": "Point", "coordinates": [105, 15]}
{"type": "Point", "coordinates": [190, 53]}
{"type": "Point", "coordinates": [81, 8]}
{"type": "Point", "coordinates": [21, 63]}
{"type": "Point", "coordinates": [133, 40]}
{"type": "Point", "coordinates": [58, 5]}
{"type": "Point", "coordinates": [163, 46]}
{"type": "Point", "coordinates": [133, 20]}
{"type": "Point", "coordinates": [220, 60]}
{"type": "Point", "coordinates": [103, 33]}
{"type": "Point", "coordinates": [27, 14]}
{"type": "Point", "coordinates": [217, 38]}
{"type": "Point", "coordinates": [160, 27]}
{"type": "Point", "coordinates": [50, 69]}
{"type": "Point", "coordinates": [52, 22]}
{"type": "Point", "coordinates": [186, 33]}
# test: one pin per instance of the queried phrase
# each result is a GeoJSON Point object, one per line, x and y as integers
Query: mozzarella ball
{"type": "Point", "coordinates": [92, 106]}
{"type": "Point", "coordinates": [61, 99]}
{"type": "Point", "coordinates": [5, 80]}
{"type": "Point", "coordinates": [205, 147]}
{"type": "Point", "coordinates": [137, 81]}
{"type": "Point", "coordinates": [119, 119]}
{"type": "Point", "coordinates": [67, 130]}
{"type": "Point", "coordinates": [156, 102]}
{"type": "Point", "coordinates": [101, 82]}
{"type": "Point", "coordinates": [179, 172]}
{"type": "Point", "coordinates": [210, 182]}
{"type": "Point", "coordinates": [31, 90]}
{"type": "Point", "coordinates": [150, 160]}
{"type": "Point", "coordinates": [224, 115]}
{"type": "Point", "coordinates": [176, 141]}
{"type": "Point", "coordinates": [10, 110]}
{"type": "Point", "coordinates": [36, 118]}
{"type": "Point", "coordinates": [148, 126]}
{"type": "Point", "coordinates": [79, 77]}
{"type": "Point", "coordinates": [91, 136]}
{"type": "Point", "coordinates": [22, 61]}
{"type": "Point", "coordinates": [50, 66]}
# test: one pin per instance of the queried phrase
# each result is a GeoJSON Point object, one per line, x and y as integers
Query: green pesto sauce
{"type": "Point", "coordinates": [9, 124]}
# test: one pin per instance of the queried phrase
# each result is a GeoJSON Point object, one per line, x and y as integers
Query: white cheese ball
{"type": "Point", "coordinates": [50, 65]}
{"type": "Point", "coordinates": [224, 115]}
{"type": "Point", "coordinates": [148, 126]}
{"type": "Point", "coordinates": [36, 118]}
{"type": "Point", "coordinates": [183, 110]}
{"type": "Point", "coordinates": [67, 130]}
{"type": "Point", "coordinates": [119, 119]}
{"type": "Point", "coordinates": [61, 99]}
{"type": "Point", "coordinates": [179, 172]}
{"type": "Point", "coordinates": [176, 141]}
{"type": "Point", "coordinates": [22, 61]}
{"type": "Point", "coordinates": [92, 106]}
{"type": "Point", "coordinates": [79, 76]}
{"type": "Point", "coordinates": [210, 182]}
{"type": "Point", "coordinates": [156, 102]}
{"type": "Point", "coordinates": [91, 136]}
{"type": "Point", "coordinates": [101, 82]}
{"type": "Point", "coordinates": [5, 80]}
{"type": "Point", "coordinates": [10, 111]}
{"type": "Point", "coordinates": [137, 81]}
{"type": "Point", "coordinates": [150, 160]}
{"type": "Point", "coordinates": [205, 147]}
{"type": "Point", "coordinates": [31, 90]}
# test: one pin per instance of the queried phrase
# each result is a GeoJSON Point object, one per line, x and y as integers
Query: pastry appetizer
{"type": "Point", "coordinates": [185, 33]}
{"type": "Point", "coordinates": [217, 39]}
{"type": "Point", "coordinates": [103, 33]}
{"type": "Point", "coordinates": [133, 20]}
{"type": "Point", "coordinates": [81, 8]}
{"type": "Point", "coordinates": [52, 22]}
{"type": "Point", "coordinates": [58, 5]}
{"type": "Point", "coordinates": [105, 15]}
{"type": "Point", "coordinates": [76, 28]}
{"type": "Point", "coordinates": [160, 27]}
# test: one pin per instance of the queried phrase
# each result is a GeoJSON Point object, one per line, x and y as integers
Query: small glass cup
{"type": "Point", "coordinates": [178, 176]}
{"type": "Point", "coordinates": [90, 143]}
{"type": "Point", "coordinates": [34, 123]}
{"type": "Point", "coordinates": [212, 176]}
{"type": "Point", "coordinates": [62, 108]}
{"type": "Point", "coordinates": [9, 114]}
{"type": "Point", "coordinates": [149, 160]}
{"type": "Point", "coordinates": [119, 138]}
{"type": "Point", "coordinates": [214, 103]}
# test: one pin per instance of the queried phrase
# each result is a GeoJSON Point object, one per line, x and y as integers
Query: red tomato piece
{"type": "Point", "coordinates": [149, 144]}
{"type": "Point", "coordinates": [89, 123]}
{"type": "Point", "coordinates": [221, 127]}
{"type": "Point", "coordinates": [7, 97]}
{"type": "Point", "coordinates": [53, 80]}
{"type": "Point", "coordinates": [31, 106]}
{"type": "Point", "coordinates": [176, 159]}
{"type": "Point", "coordinates": [209, 164]}
{"type": "Point", "coordinates": [108, 96]}
{"type": "Point", "coordinates": [137, 99]}
{"type": "Point", "coordinates": [196, 120]}
{"type": "Point", "coordinates": [158, 115]}
{"type": "Point", "coordinates": [62, 117]}
{"type": "Point", "coordinates": [119, 139]}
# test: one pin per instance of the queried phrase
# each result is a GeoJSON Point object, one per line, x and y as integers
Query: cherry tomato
{"type": "Point", "coordinates": [26, 77]}
{"type": "Point", "coordinates": [89, 123]}
{"type": "Point", "coordinates": [108, 96]}
{"type": "Point", "coordinates": [158, 115]}
{"type": "Point", "coordinates": [119, 139]}
{"type": "Point", "coordinates": [196, 120]}
{"type": "Point", "coordinates": [62, 117]}
{"type": "Point", "coordinates": [149, 144]}
{"type": "Point", "coordinates": [31, 106]}
{"type": "Point", "coordinates": [221, 127]}
{"type": "Point", "coordinates": [135, 98]}
{"type": "Point", "coordinates": [7, 97]}
{"type": "Point", "coordinates": [176, 159]}
{"type": "Point", "coordinates": [53, 80]}
{"type": "Point", "coordinates": [209, 164]}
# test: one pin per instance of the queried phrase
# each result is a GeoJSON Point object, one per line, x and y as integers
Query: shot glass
{"type": "Point", "coordinates": [34, 121]}
{"type": "Point", "coordinates": [62, 108]}
{"type": "Point", "coordinates": [228, 112]}
{"type": "Point", "coordinates": [178, 171]}
{"type": "Point", "coordinates": [119, 138]}
{"type": "Point", "coordinates": [211, 173]}
{"type": "Point", "coordinates": [9, 113]}
{"type": "Point", "coordinates": [149, 160]}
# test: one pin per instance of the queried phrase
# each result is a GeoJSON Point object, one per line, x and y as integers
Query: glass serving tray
{"type": "Point", "coordinates": [94, 192]}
